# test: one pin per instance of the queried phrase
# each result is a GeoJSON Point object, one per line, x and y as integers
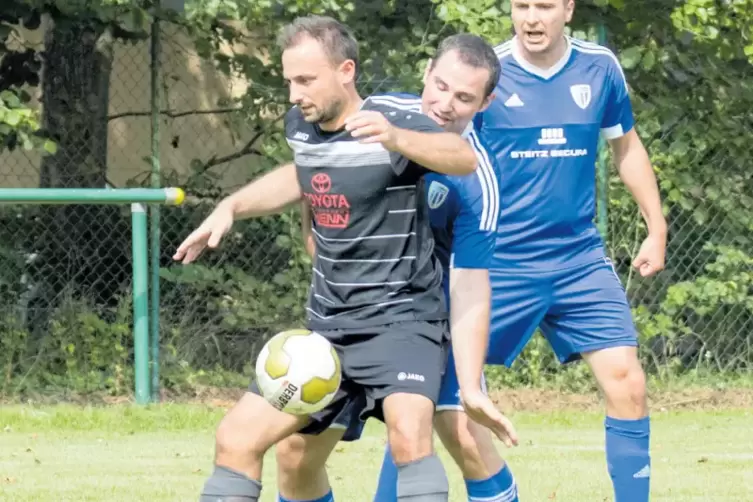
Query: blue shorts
{"type": "Point", "coordinates": [449, 393]}
{"type": "Point", "coordinates": [579, 310]}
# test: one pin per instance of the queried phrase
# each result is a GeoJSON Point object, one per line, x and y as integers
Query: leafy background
{"type": "Point", "coordinates": [65, 308]}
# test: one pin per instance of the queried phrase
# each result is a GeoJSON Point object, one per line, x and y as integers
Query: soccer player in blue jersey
{"type": "Point", "coordinates": [556, 95]}
{"type": "Point", "coordinates": [464, 213]}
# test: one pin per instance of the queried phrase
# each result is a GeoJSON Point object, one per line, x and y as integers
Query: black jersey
{"type": "Point", "coordinates": [374, 261]}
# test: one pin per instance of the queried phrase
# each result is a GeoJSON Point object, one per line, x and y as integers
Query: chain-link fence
{"type": "Point", "coordinates": [67, 323]}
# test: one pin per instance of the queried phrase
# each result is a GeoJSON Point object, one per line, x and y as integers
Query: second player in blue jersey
{"type": "Point", "coordinates": [555, 97]}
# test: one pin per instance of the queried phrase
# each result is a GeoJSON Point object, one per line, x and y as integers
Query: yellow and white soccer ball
{"type": "Point", "coordinates": [298, 371]}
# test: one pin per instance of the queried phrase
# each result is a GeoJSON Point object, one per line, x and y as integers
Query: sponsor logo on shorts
{"type": "Point", "coordinates": [410, 376]}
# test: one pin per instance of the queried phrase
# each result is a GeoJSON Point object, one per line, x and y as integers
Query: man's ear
{"type": "Point", "coordinates": [487, 102]}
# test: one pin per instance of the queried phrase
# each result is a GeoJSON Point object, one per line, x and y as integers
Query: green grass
{"type": "Point", "coordinates": [163, 453]}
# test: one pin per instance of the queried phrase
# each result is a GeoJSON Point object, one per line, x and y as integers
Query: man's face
{"type": "Point", "coordinates": [454, 92]}
{"type": "Point", "coordinates": [316, 85]}
{"type": "Point", "coordinates": [540, 24]}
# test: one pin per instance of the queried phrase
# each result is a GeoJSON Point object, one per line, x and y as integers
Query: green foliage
{"type": "Point", "coordinates": [18, 123]}
{"type": "Point", "coordinates": [215, 314]}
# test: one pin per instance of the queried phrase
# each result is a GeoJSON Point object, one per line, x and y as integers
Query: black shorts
{"type": "Point", "coordinates": [407, 357]}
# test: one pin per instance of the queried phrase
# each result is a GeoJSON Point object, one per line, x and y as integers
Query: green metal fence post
{"type": "Point", "coordinates": [154, 222]}
{"type": "Point", "coordinates": [137, 197]}
{"type": "Point", "coordinates": [602, 167]}
{"type": "Point", "coordinates": [140, 303]}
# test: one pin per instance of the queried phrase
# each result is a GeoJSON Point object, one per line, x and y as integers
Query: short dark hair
{"type": "Point", "coordinates": [336, 38]}
{"type": "Point", "coordinates": [473, 51]}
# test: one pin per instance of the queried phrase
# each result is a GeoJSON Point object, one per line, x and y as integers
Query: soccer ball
{"type": "Point", "coordinates": [298, 371]}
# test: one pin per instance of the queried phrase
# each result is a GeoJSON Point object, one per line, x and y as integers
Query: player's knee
{"type": "Point", "coordinates": [409, 426]}
{"type": "Point", "coordinates": [291, 454]}
{"type": "Point", "coordinates": [235, 445]}
{"type": "Point", "coordinates": [228, 447]}
{"type": "Point", "coordinates": [630, 381]}
{"type": "Point", "coordinates": [623, 381]}
{"type": "Point", "coordinates": [455, 435]}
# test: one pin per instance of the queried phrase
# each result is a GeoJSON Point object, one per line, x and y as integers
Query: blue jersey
{"type": "Point", "coordinates": [464, 210]}
{"type": "Point", "coordinates": [543, 127]}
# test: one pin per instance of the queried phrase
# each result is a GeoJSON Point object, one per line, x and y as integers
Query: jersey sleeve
{"type": "Point", "coordinates": [618, 116]}
{"type": "Point", "coordinates": [414, 121]}
{"type": "Point", "coordinates": [475, 225]}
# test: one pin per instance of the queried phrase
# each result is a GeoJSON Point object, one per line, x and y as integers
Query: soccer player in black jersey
{"type": "Point", "coordinates": [376, 289]}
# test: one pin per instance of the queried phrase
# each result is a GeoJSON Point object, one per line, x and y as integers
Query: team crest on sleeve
{"type": "Point", "coordinates": [581, 94]}
{"type": "Point", "coordinates": [437, 194]}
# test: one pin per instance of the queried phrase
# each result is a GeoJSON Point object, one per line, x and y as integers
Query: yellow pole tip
{"type": "Point", "coordinates": [180, 196]}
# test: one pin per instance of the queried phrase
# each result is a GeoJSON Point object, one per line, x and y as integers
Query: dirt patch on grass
{"type": "Point", "coordinates": [539, 400]}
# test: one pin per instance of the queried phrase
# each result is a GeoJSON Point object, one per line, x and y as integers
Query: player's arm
{"type": "Point", "coordinates": [417, 138]}
{"type": "Point", "coordinates": [474, 239]}
{"type": "Point", "coordinates": [634, 165]}
{"type": "Point", "coordinates": [269, 194]}
{"type": "Point", "coordinates": [473, 243]}
{"type": "Point", "coordinates": [443, 152]}
{"type": "Point", "coordinates": [635, 170]}
{"type": "Point", "coordinates": [470, 300]}
{"type": "Point", "coordinates": [306, 233]}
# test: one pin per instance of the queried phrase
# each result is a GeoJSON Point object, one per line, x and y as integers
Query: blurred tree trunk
{"type": "Point", "coordinates": [81, 242]}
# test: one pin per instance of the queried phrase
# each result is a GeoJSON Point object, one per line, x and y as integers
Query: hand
{"type": "Point", "coordinates": [481, 410]}
{"type": "Point", "coordinates": [650, 257]}
{"type": "Point", "coordinates": [372, 127]}
{"type": "Point", "coordinates": [209, 233]}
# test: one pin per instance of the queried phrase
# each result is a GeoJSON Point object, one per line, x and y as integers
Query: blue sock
{"type": "Point", "coordinates": [628, 458]}
{"type": "Point", "coordinates": [327, 498]}
{"type": "Point", "coordinates": [499, 488]}
{"type": "Point", "coordinates": [387, 486]}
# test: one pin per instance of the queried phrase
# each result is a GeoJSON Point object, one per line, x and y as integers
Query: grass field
{"type": "Point", "coordinates": [163, 453]}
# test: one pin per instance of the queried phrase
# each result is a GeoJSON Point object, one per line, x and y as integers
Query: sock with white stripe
{"type": "Point", "coordinates": [499, 488]}
{"type": "Point", "coordinates": [329, 497]}
{"type": "Point", "coordinates": [628, 458]}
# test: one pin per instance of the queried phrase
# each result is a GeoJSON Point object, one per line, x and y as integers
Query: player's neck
{"type": "Point", "coordinates": [544, 60]}
{"type": "Point", "coordinates": [353, 104]}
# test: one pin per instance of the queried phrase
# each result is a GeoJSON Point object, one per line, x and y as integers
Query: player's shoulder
{"type": "Point", "coordinates": [486, 161]}
{"type": "Point", "coordinates": [391, 101]}
{"type": "Point", "coordinates": [504, 51]}
{"type": "Point", "coordinates": [296, 127]}
{"type": "Point", "coordinates": [595, 54]}
{"type": "Point", "coordinates": [293, 116]}
{"type": "Point", "coordinates": [402, 110]}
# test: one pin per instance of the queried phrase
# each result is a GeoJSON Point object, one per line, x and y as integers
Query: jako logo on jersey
{"type": "Point", "coordinates": [410, 376]}
{"type": "Point", "coordinates": [581, 94]}
{"type": "Point", "coordinates": [300, 135]}
{"type": "Point", "coordinates": [437, 194]}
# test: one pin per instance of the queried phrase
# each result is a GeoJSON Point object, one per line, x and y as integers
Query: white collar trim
{"type": "Point", "coordinates": [535, 70]}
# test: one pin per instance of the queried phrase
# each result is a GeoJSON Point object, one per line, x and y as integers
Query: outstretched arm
{"type": "Point", "coordinates": [269, 194]}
